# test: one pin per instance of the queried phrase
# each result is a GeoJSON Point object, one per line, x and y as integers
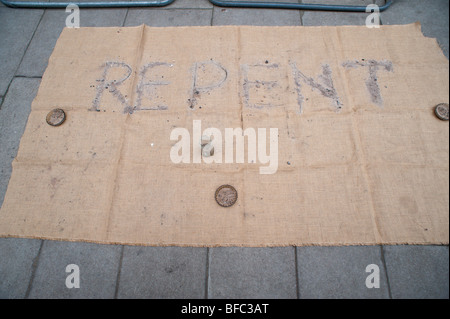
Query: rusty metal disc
{"type": "Point", "coordinates": [56, 117]}
{"type": "Point", "coordinates": [442, 111]}
{"type": "Point", "coordinates": [226, 195]}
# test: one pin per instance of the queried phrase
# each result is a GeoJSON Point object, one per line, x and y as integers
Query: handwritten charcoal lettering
{"type": "Point", "coordinates": [257, 84]}
{"type": "Point", "coordinates": [324, 84]}
{"type": "Point", "coordinates": [111, 85]}
{"type": "Point", "coordinates": [149, 86]}
{"type": "Point", "coordinates": [372, 80]}
{"type": "Point", "coordinates": [210, 75]}
{"type": "Point", "coordinates": [200, 85]}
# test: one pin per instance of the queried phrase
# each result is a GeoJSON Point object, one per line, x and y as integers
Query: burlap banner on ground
{"type": "Point", "coordinates": [328, 135]}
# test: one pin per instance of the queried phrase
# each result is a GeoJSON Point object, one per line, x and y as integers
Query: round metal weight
{"type": "Point", "coordinates": [56, 117]}
{"type": "Point", "coordinates": [442, 111]}
{"type": "Point", "coordinates": [226, 195]}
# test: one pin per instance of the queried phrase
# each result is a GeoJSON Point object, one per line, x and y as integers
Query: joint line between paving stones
{"type": "Point", "coordinates": [297, 282]}
{"type": "Point", "coordinates": [28, 77]}
{"type": "Point", "coordinates": [385, 271]}
{"type": "Point", "coordinates": [301, 13]}
{"type": "Point", "coordinates": [207, 273]}
{"type": "Point", "coordinates": [34, 266]}
{"type": "Point", "coordinates": [212, 16]}
{"type": "Point", "coordinates": [126, 16]}
{"type": "Point", "coordinates": [119, 271]}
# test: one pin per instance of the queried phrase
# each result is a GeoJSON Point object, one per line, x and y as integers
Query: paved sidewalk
{"type": "Point", "coordinates": [32, 268]}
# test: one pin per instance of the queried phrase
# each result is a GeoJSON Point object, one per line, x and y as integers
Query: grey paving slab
{"type": "Point", "coordinates": [16, 30]}
{"type": "Point", "coordinates": [16, 266]}
{"type": "Point", "coordinates": [36, 57]}
{"type": "Point", "coordinates": [13, 118]}
{"type": "Point", "coordinates": [98, 267]}
{"type": "Point", "coordinates": [258, 17]}
{"type": "Point", "coordinates": [339, 272]}
{"type": "Point", "coordinates": [317, 18]}
{"type": "Point", "coordinates": [432, 14]}
{"type": "Point", "coordinates": [190, 4]}
{"type": "Point", "coordinates": [163, 272]}
{"type": "Point", "coordinates": [419, 272]}
{"type": "Point", "coordinates": [343, 2]}
{"type": "Point", "coordinates": [169, 17]}
{"type": "Point", "coordinates": [252, 273]}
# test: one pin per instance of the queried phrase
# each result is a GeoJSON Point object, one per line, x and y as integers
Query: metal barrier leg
{"type": "Point", "coordinates": [298, 6]}
{"type": "Point", "coordinates": [94, 4]}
